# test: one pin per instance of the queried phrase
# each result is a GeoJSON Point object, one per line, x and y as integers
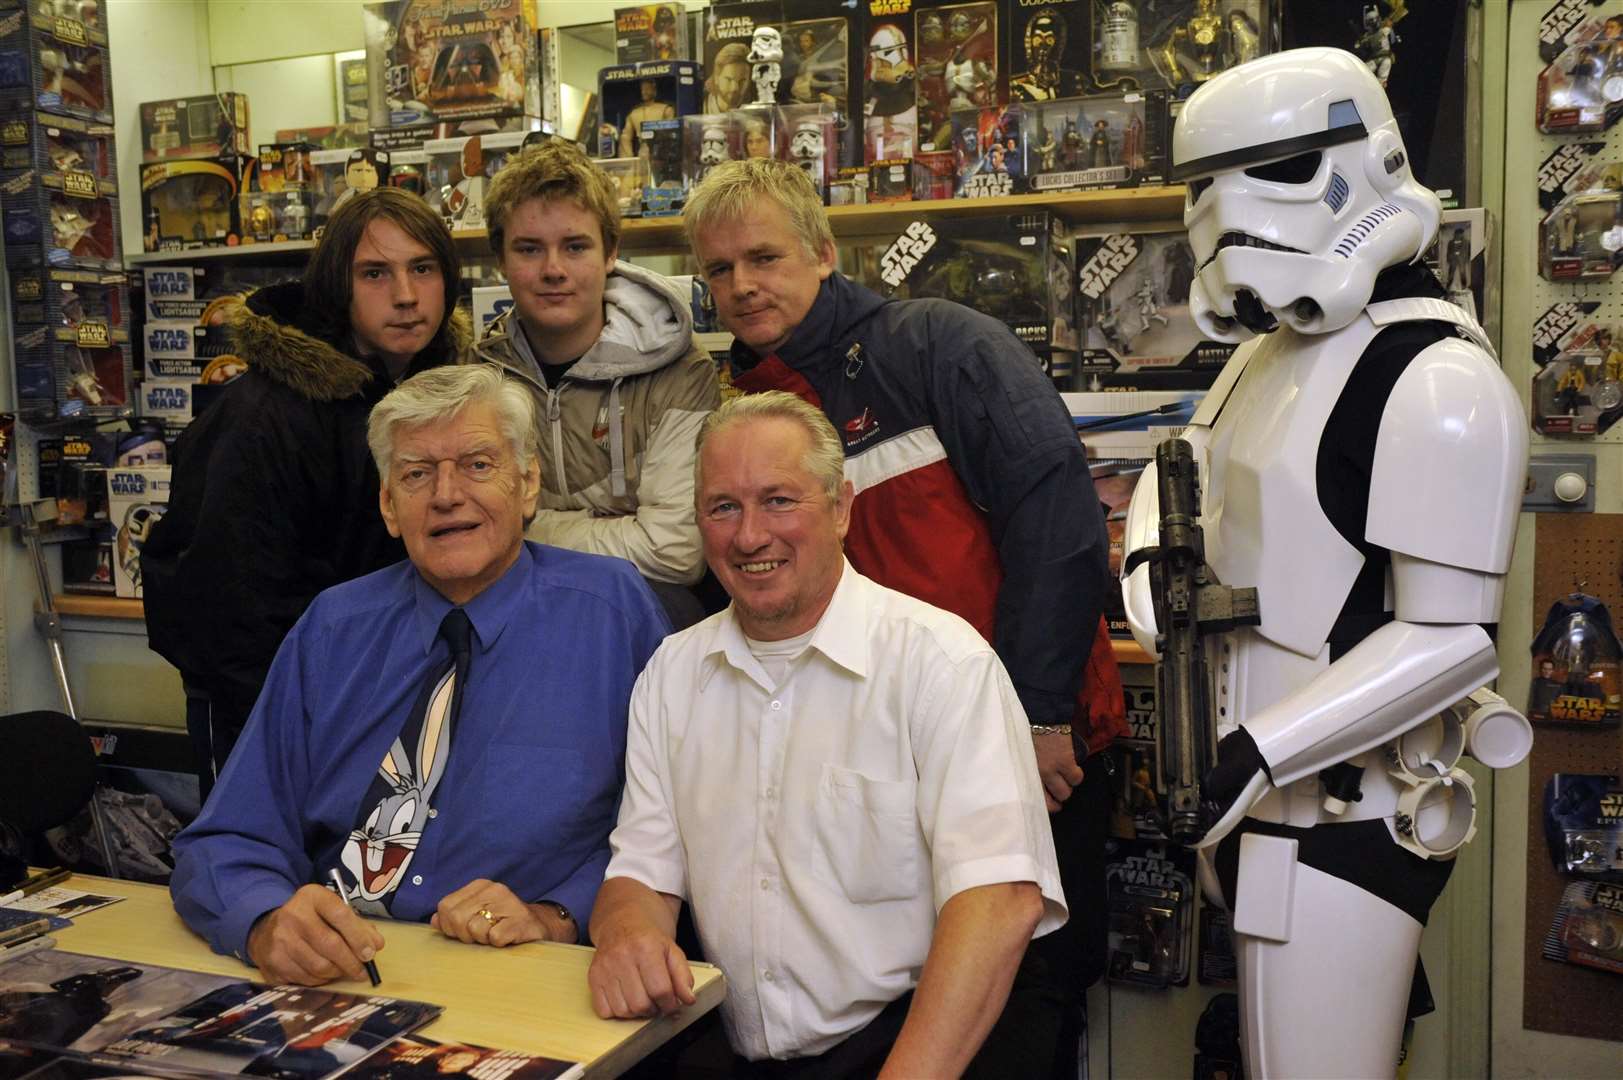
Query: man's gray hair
{"type": "Point", "coordinates": [440, 393]}
{"type": "Point", "coordinates": [825, 457]}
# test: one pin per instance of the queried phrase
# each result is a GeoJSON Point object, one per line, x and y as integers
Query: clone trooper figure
{"type": "Point", "coordinates": [766, 63]}
{"type": "Point", "coordinates": [1360, 462]}
{"type": "Point", "coordinates": [968, 77]}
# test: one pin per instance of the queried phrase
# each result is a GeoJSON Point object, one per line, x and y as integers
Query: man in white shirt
{"type": "Point", "coordinates": [839, 779]}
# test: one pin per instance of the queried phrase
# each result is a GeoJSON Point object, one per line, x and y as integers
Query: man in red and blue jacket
{"type": "Point", "coordinates": [972, 493]}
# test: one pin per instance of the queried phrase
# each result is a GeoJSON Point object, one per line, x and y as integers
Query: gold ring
{"type": "Point", "coordinates": [489, 916]}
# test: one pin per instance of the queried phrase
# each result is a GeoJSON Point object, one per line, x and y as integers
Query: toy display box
{"type": "Point", "coordinates": [757, 131]}
{"type": "Point", "coordinates": [809, 141]}
{"type": "Point", "coordinates": [338, 174]}
{"type": "Point", "coordinates": [73, 471]}
{"type": "Point", "coordinates": [935, 175]}
{"type": "Point", "coordinates": [1582, 238]}
{"type": "Point", "coordinates": [192, 204]}
{"type": "Point", "coordinates": [743, 55]}
{"type": "Point", "coordinates": [457, 171]}
{"type": "Point", "coordinates": [661, 147]}
{"type": "Point", "coordinates": [450, 60]}
{"type": "Point", "coordinates": [48, 144]}
{"type": "Point", "coordinates": [48, 51]}
{"type": "Point", "coordinates": [891, 180]}
{"type": "Point", "coordinates": [283, 165]}
{"type": "Point", "coordinates": [650, 32]}
{"type": "Point", "coordinates": [416, 136]}
{"type": "Point", "coordinates": [630, 176]}
{"type": "Point", "coordinates": [1580, 392]}
{"type": "Point", "coordinates": [168, 402]}
{"type": "Point", "coordinates": [989, 156]}
{"type": "Point", "coordinates": [207, 126]}
{"type": "Point", "coordinates": [325, 136]}
{"type": "Point", "coordinates": [1150, 889]}
{"type": "Point", "coordinates": [630, 95]}
{"type": "Point", "coordinates": [1456, 256]}
{"type": "Point", "coordinates": [1133, 307]}
{"type": "Point", "coordinates": [1575, 167]}
{"type": "Point", "coordinates": [408, 171]}
{"type": "Point", "coordinates": [1178, 44]}
{"type": "Point", "coordinates": [890, 88]}
{"type": "Point", "coordinates": [186, 307]}
{"type": "Point", "coordinates": [957, 50]}
{"type": "Point", "coordinates": [75, 362]}
{"type": "Point", "coordinates": [1046, 51]}
{"type": "Point", "coordinates": [59, 219]}
{"type": "Point", "coordinates": [1012, 266]}
{"type": "Point", "coordinates": [1106, 141]}
{"type": "Point", "coordinates": [1582, 89]}
{"type": "Point", "coordinates": [136, 500]}
{"type": "Point", "coordinates": [708, 139]}
{"type": "Point", "coordinates": [275, 216]}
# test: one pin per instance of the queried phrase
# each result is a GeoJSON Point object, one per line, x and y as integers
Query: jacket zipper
{"type": "Point", "coordinates": [554, 413]}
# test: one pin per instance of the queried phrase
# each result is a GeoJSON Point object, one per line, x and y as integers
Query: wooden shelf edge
{"type": "Point", "coordinates": [99, 607]}
{"type": "Point", "coordinates": [1129, 652]}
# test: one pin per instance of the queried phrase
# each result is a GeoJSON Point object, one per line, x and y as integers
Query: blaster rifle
{"type": "Point", "coordinates": [1190, 605]}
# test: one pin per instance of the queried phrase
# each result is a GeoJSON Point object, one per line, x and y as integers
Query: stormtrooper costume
{"type": "Point", "coordinates": [1360, 461]}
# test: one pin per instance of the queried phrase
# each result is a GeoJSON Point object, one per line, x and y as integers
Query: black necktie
{"type": "Point", "coordinates": [397, 806]}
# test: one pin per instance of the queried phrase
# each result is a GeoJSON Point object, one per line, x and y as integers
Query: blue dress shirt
{"type": "Point", "coordinates": [531, 788]}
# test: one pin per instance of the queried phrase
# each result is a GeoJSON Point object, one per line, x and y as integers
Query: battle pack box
{"type": "Point", "coordinates": [630, 95]}
{"type": "Point", "coordinates": [73, 471]}
{"type": "Point", "coordinates": [989, 156]}
{"type": "Point", "coordinates": [136, 499]}
{"type": "Point", "coordinates": [890, 85]}
{"type": "Point", "coordinates": [326, 136]}
{"type": "Point", "coordinates": [206, 126]}
{"type": "Point", "coordinates": [459, 170]}
{"type": "Point", "coordinates": [59, 61]}
{"type": "Point", "coordinates": [1105, 141]}
{"type": "Point", "coordinates": [64, 219]}
{"type": "Point", "coordinates": [1133, 309]}
{"type": "Point", "coordinates": [650, 32]}
{"type": "Point", "coordinates": [192, 204]}
{"type": "Point", "coordinates": [450, 60]}
{"type": "Point", "coordinates": [1046, 51]}
{"type": "Point", "coordinates": [1015, 266]}
{"type": "Point", "coordinates": [957, 49]}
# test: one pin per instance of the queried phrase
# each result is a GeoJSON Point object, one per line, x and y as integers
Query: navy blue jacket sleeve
{"type": "Point", "coordinates": [1010, 438]}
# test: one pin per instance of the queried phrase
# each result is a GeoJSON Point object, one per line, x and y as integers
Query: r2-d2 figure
{"type": "Point", "coordinates": [1360, 464]}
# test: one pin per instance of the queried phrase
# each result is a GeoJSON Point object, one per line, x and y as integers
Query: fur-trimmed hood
{"type": "Point", "coordinates": [266, 331]}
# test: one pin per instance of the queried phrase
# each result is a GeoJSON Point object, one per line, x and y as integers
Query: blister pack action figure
{"type": "Point", "coordinates": [1343, 516]}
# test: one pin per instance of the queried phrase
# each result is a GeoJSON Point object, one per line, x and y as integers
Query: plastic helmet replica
{"type": "Point", "coordinates": [1300, 193]}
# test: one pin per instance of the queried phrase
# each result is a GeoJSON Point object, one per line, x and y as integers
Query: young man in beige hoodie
{"type": "Point", "coordinates": [609, 348]}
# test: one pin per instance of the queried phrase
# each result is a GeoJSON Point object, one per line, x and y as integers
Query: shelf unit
{"type": "Point", "coordinates": [654, 234]}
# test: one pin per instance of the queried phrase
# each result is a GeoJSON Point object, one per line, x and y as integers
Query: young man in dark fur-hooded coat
{"type": "Point", "coordinates": [275, 495]}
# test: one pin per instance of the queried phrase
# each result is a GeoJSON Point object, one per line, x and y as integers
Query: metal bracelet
{"type": "Point", "coordinates": [1050, 729]}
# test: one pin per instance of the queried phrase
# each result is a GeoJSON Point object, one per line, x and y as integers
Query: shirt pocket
{"type": "Point", "coordinates": [867, 836]}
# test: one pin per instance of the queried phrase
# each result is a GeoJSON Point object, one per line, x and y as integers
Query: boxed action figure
{"type": "Point", "coordinates": [630, 95]}
{"type": "Point", "coordinates": [63, 373]}
{"type": "Point", "coordinates": [822, 65]}
{"type": "Point", "coordinates": [1046, 50]}
{"type": "Point", "coordinates": [1577, 657]}
{"type": "Point", "coordinates": [1583, 825]}
{"type": "Point", "coordinates": [1186, 42]}
{"type": "Point", "coordinates": [957, 49]}
{"type": "Point", "coordinates": [457, 172]}
{"type": "Point", "coordinates": [60, 61]}
{"type": "Point", "coordinates": [630, 176]}
{"type": "Point", "coordinates": [1137, 334]}
{"type": "Point", "coordinates": [57, 144]}
{"type": "Point", "coordinates": [1012, 266]}
{"type": "Point", "coordinates": [59, 219]}
{"type": "Point", "coordinates": [708, 139]}
{"type": "Point", "coordinates": [275, 216]}
{"type": "Point", "coordinates": [1151, 903]}
{"type": "Point", "coordinates": [809, 142]}
{"type": "Point", "coordinates": [1580, 392]}
{"type": "Point", "coordinates": [136, 499]}
{"type": "Point", "coordinates": [73, 471]}
{"type": "Point", "coordinates": [1576, 167]}
{"type": "Point", "coordinates": [209, 126]}
{"type": "Point", "coordinates": [935, 175]}
{"type": "Point", "coordinates": [283, 165]}
{"type": "Point", "coordinates": [1456, 257]}
{"type": "Point", "coordinates": [339, 175]}
{"type": "Point", "coordinates": [450, 60]}
{"type": "Point", "coordinates": [988, 152]}
{"type": "Point", "coordinates": [1582, 89]}
{"type": "Point", "coordinates": [661, 143]}
{"type": "Point", "coordinates": [1582, 238]}
{"type": "Point", "coordinates": [192, 204]}
{"type": "Point", "coordinates": [1107, 141]}
{"type": "Point", "coordinates": [1588, 927]}
{"type": "Point", "coordinates": [744, 55]}
{"type": "Point", "coordinates": [650, 32]}
{"type": "Point", "coordinates": [889, 88]}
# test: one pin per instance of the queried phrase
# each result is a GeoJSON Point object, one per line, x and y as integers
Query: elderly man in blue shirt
{"type": "Point", "coordinates": [448, 733]}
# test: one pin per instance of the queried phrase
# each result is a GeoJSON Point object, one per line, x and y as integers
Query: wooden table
{"type": "Point", "coordinates": [531, 998]}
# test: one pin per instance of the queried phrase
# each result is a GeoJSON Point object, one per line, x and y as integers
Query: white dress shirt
{"type": "Point", "coordinates": [818, 827]}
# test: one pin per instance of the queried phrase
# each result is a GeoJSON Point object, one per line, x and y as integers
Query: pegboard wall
{"type": "Point", "coordinates": [1573, 550]}
{"type": "Point", "coordinates": [1557, 159]}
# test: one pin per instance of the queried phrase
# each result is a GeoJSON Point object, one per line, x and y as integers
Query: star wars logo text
{"type": "Point", "coordinates": [1148, 872]}
{"type": "Point", "coordinates": [1560, 19]}
{"type": "Point", "coordinates": [91, 335]}
{"type": "Point", "coordinates": [1564, 164]}
{"type": "Point", "coordinates": [1609, 897]}
{"type": "Point", "coordinates": [165, 341]}
{"type": "Point", "coordinates": [905, 252]}
{"type": "Point", "coordinates": [169, 283]}
{"type": "Point", "coordinates": [734, 26]}
{"type": "Point", "coordinates": [1611, 806]}
{"type": "Point", "coordinates": [124, 483]}
{"type": "Point", "coordinates": [167, 398]}
{"type": "Point", "coordinates": [982, 185]}
{"type": "Point", "coordinates": [1578, 709]}
{"type": "Point", "coordinates": [1114, 255]}
{"type": "Point", "coordinates": [79, 184]}
{"type": "Point", "coordinates": [632, 20]}
{"type": "Point", "coordinates": [1555, 323]}
{"type": "Point", "coordinates": [889, 7]}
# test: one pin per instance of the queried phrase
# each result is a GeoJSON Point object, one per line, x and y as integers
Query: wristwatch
{"type": "Point", "coordinates": [562, 913]}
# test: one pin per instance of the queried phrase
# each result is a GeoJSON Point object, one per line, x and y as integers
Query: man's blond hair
{"type": "Point", "coordinates": [732, 188]}
{"type": "Point", "coordinates": [824, 457]}
{"type": "Point", "coordinates": [553, 170]}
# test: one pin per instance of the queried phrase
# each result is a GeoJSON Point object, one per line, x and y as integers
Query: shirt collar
{"type": "Point", "coordinates": [841, 634]}
{"type": "Point", "coordinates": [489, 612]}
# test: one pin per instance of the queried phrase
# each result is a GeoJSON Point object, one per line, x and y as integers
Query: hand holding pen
{"type": "Point", "coordinates": [338, 883]}
{"type": "Point", "coordinates": [314, 938]}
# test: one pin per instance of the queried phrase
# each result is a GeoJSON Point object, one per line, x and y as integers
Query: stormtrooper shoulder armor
{"type": "Point", "coordinates": [1450, 460]}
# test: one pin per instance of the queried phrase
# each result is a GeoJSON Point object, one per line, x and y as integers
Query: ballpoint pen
{"type": "Point", "coordinates": [35, 884]}
{"type": "Point", "coordinates": [371, 965]}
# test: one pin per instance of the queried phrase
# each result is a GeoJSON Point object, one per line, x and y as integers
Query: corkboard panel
{"type": "Point", "coordinates": [1564, 998]}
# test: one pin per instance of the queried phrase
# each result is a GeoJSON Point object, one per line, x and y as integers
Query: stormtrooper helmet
{"type": "Point", "coordinates": [712, 146]}
{"type": "Point", "coordinates": [888, 47]}
{"type": "Point", "coordinates": [766, 46]}
{"type": "Point", "coordinates": [806, 144]}
{"type": "Point", "coordinates": [132, 535]}
{"type": "Point", "coordinates": [1299, 194]}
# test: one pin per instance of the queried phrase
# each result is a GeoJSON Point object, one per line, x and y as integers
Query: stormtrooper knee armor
{"type": "Point", "coordinates": [1361, 462]}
